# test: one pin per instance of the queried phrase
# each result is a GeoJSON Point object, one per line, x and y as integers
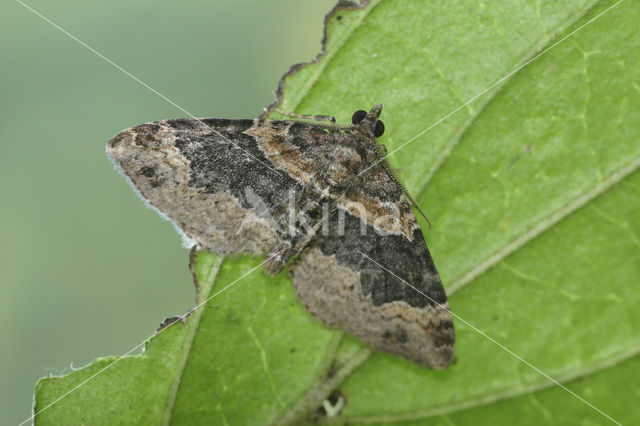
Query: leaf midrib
{"type": "Point", "coordinates": [492, 398]}
{"type": "Point", "coordinates": [544, 225]}
{"type": "Point", "coordinates": [194, 320]}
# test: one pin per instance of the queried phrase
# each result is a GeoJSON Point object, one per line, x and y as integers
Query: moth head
{"type": "Point", "coordinates": [369, 121]}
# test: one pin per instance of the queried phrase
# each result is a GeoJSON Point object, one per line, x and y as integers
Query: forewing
{"type": "Point", "coordinates": [220, 181]}
{"type": "Point", "coordinates": [372, 274]}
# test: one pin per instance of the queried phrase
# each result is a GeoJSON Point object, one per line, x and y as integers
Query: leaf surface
{"type": "Point", "coordinates": [530, 179]}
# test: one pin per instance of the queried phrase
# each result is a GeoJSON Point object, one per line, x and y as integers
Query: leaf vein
{"type": "Point", "coordinates": [491, 94]}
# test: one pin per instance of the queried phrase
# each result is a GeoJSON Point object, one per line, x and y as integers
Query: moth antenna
{"type": "Point", "coordinates": [392, 173]}
{"type": "Point", "coordinates": [317, 117]}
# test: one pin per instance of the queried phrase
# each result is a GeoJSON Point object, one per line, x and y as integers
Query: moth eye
{"type": "Point", "coordinates": [358, 116]}
{"type": "Point", "coordinates": [379, 130]}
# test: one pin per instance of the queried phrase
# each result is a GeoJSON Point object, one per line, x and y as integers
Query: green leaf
{"type": "Point", "coordinates": [533, 189]}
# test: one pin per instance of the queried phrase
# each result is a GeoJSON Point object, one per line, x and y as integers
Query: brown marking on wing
{"type": "Point", "coordinates": [391, 217]}
{"type": "Point", "coordinates": [285, 156]}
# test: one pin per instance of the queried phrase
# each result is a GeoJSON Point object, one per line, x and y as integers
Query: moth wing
{"type": "Point", "coordinates": [216, 180]}
{"type": "Point", "coordinates": [374, 277]}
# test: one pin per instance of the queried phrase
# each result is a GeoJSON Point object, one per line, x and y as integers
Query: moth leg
{"type": "Point", "coordinates": [318, 117]}
{"type": "Point", "coordinates": [289, 246]}
{"type": "Point", "coordinates": [297, 237]}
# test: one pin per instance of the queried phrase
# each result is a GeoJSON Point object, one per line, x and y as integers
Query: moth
{"type": "Point", "coordinates": [315, 196]}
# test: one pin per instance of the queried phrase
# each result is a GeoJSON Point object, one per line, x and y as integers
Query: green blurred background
{"type": "Point", "coordinates": [85, 269]}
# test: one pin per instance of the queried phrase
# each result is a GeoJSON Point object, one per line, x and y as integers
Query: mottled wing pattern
{"type": "Point", "coordinates": [226, 184]}
{"type": "Point", "coordinates": [360, 275]}
{"type": "Point", "coordinates": [261, 187]}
